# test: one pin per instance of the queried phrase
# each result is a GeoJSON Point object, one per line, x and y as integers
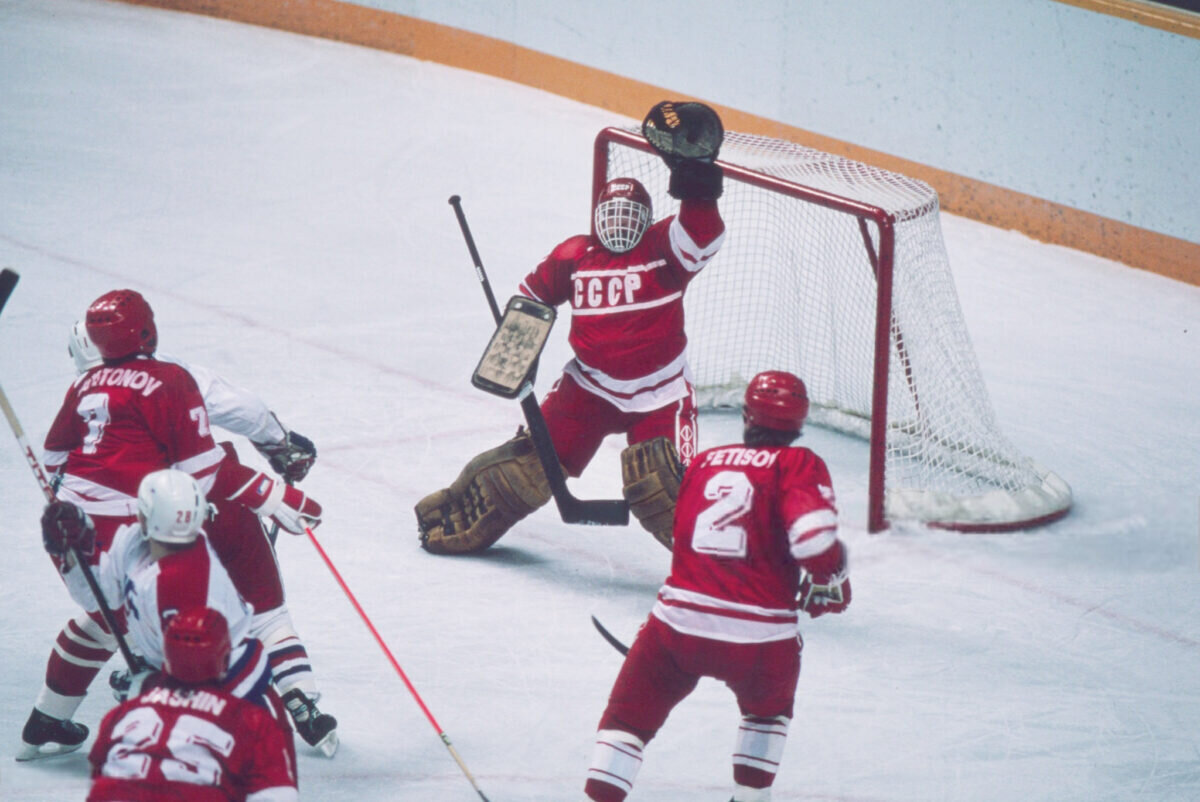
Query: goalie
{"type": "Point", "coordinates": [625, 286]}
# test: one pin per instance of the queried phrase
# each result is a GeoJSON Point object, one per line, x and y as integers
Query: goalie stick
{"type": "Point", "coordinates": [8, 281]}
{"type": "Point", "coordinates": [573, 510]}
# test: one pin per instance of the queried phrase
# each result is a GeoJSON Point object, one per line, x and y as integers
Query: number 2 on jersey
{"type": "Point", "coordinates": [715, 531]}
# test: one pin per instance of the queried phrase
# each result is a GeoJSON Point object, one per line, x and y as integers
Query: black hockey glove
{"type": "Point", "coordinates": [292, 458]}
{"type": "Point", "coordinates": [692, 179]}
{"type": "Point", "coordinates": [66, 526]}
{"type": "Point", "coordinates": [127, 683]}
{"type": "Point", "coordinates": [682, 131]}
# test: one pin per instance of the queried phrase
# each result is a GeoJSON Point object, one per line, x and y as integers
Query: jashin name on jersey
{"type": "Point", "coordinates": [739, 457]}
{"type": "Point", "coordinates": [121, 377]}
{"type": "Point", "coordinates": [191, 699]}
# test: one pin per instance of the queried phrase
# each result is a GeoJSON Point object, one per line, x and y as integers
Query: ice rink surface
{"type": "Point", "coordinates": [282, 203]}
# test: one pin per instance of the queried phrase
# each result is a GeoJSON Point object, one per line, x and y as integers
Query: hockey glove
{"type": "Point", "coordinates": [824, 583]}
{"type": "Point", "coordinates": [692, 179]}
{"type": "Point", "coordinates": [291, 458]}
{"type": "Point", "coordinates": [283, 504]}
{"type": "Point", "coordinates": [66, 526]}
{"type": "Point", "coordinates": [682, 131]}
{"type": "Point", "coordinates": [127, 683]}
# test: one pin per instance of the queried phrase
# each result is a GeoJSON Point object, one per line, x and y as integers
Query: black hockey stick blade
{"type": "Point", "coordinates": [600, 512]}
{"type": "Point", "coordinates": [608, 636]}
{"type": "Point", "coordinates": [605, 512]}
{"type": "Point", "coordinates": [8, 281]}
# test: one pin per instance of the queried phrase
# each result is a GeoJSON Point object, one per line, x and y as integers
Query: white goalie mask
{"type": "Point", "coordinates": [171, 506]}
{"type": "Point", "coordinates": [623, 213]}
{"type": "Point", "coordinates": [82, 349]}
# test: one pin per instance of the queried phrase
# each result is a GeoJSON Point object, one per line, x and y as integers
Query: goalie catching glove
{"type": "Point", "coordinates": [688, 137]}
{"type": "Point", "coordinates": [824, 582]}
{"type": "Point", "coordinates": [285, 505]}
{"type": "Point", "coordinates": [291, 458]}
{"type": "Point", "coordinates": [494, 491]}
{"type": "Point", "coordinates": [682, 131]}
{"type": "Point", "coordinates": [651, 474]}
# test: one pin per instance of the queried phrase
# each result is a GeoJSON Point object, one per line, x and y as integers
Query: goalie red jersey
{"type": "Point", "coordinates": [745, 518]}
{"type": "Point", "coordinates": [192, 745]}
{"type": "Point", "coordinates": [118, 424]}
{"type": "Point", "coordinates": [627, 328]}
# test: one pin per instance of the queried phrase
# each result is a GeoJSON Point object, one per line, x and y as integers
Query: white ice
{"type": "Point", "coordinates": [282, 202]}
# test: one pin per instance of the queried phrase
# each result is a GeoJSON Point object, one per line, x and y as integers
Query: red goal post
{"type": "Point", "coordinates": [836, 271]}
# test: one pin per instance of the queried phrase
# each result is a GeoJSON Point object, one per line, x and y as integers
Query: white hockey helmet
{"type": "Point", "coordinates": [82, 349]}
{"type": "Point", "coordinates": [171, 506]}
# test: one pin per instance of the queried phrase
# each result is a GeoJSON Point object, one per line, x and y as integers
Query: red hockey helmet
{"type": "Point", "coordinates": [196, 646]}
{"type": "Point", "coordinates": [623, 213]}
{"type": "Point", "coordinates": [121, 323]}
{"type": "Point", "coordinates": [776, 399]}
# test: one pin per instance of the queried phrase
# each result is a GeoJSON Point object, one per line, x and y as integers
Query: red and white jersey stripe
{"type": "Point", "coordinates": [745, 519]}
{"type": "Point", "coordinates": [118, 424]}
{"type": "Point", "coordinates": [627, 319]}
{"type": "Point", "coordinates": [152, 591]}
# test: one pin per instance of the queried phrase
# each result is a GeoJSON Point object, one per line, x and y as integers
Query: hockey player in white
{"type": "Point", "coordinates": [241, 542]}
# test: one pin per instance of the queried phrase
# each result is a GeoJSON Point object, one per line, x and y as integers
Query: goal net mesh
{"type": "Point", "coordinates": [794, 288]}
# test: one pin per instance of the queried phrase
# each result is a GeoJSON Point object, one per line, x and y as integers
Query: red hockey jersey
{"type": "Point", "coordinates": [192, 744]}
{"type": "Point", "coordinates": [118, 424]}
{"type": "Point", "coordinates": [627, 327]}
{"type": "Point", "coordinates": [745, 518]}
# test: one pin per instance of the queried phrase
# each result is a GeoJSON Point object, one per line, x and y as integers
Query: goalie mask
{"type": "Point", "coordinates": [623, 213]}
{"type": "Point", "coordinates": [171, 506]}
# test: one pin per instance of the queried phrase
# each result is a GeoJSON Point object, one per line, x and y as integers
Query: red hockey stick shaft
{"type": "Point", "coordinates": [395, 664]}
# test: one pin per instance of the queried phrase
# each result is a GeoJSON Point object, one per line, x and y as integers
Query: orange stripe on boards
{"type": "Point", "coordinates": [1038, 218]}
{"type": "Point", "coordinates": [1152, 15]}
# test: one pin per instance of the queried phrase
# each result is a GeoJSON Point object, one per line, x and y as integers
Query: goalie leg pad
{"type": "Point", "coordinates": [651, 473]}
{"type": "Point", "coordinates": [494, 491]}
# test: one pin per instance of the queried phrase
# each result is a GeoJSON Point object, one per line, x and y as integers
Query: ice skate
{"type": "Point", "coordinates": [319, 730]}
{"type": "Point", "coordinates": [45, 736]}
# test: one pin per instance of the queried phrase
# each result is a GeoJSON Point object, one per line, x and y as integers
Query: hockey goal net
{"type": "Point", "coordinates": [836, 271]}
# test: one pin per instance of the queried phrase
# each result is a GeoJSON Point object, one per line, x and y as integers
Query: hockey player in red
{"type": "Point", "coordinates": [755, 542]}
{"type": "Point", "coordinates": [185, 738]}
{"type": "Point", "coordinates": [239, 538]}
{"type": "Point", "coordinates": [624, 285]}
{"type": "Point", "coordinates": [121, 420]}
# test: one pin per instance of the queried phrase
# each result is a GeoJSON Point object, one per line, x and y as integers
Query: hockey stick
{"type": "Point", "coordinates": [572, 510]}
{"type": "Point", "coordinates": [395, 664]}
{"type": "Point", "coordinates": [8, 280]}
{"type": "Point", "coordinates": [608, 636]}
